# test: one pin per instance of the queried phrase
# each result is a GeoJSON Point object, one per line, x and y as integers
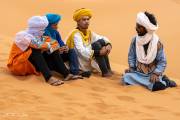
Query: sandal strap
{"type": "Point", "coordinates": [56, 82]}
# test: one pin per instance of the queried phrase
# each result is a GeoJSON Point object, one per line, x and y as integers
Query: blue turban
{"type": "Point", "coordinates": [49, 31]}
{"type": "Point", "coordinates": [53, 18]}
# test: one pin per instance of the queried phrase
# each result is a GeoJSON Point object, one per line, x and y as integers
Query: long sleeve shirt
{"type": "Point", "coordinates": [159, 63]}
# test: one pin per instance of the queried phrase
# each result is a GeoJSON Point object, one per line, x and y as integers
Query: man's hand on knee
{"type": "Point", "coordinates": [103, 51]}
{"type": "Point", "coordinates": [154, 78]}
{"type": "Point", "coordinates": [108, 48]}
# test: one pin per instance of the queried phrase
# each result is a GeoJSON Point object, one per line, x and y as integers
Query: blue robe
{"type": "Point", "coordinates": [141, 73]}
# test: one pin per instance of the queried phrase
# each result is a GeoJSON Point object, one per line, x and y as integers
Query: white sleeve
{"type": "Point", "coordinates": [85, 51]}
{"type": "Point", "coordinates": [96, 37]}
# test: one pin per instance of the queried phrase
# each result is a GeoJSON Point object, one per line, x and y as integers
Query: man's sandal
{"type": "Point", "coordinates": [75, 77]}
{"type": "Point", "coordinates": [55, 82]}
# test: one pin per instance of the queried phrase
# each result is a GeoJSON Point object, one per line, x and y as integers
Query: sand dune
{"type": "Point", "coordinates": [96, 98]}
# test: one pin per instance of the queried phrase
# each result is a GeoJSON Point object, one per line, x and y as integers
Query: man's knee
{"type": "Point", "coordinates": [126, 75]}
{"type": "Point", "coordinates": [125, 78]}
{"type": "Point", "coordinates": [96, 46]}
{"type": "Point", "coordinates": [102, 42]}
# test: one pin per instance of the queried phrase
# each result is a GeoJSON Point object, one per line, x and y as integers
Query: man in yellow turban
{"type": "Point", "coordinates": [81, 12]}
{"type": "Point", "coordinates": [92, 49]}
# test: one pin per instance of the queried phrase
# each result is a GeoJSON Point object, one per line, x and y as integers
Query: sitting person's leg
{"type": "Point", "coordinates": [136, 78]}
{"type": "Point", "coordinates": [102, 43]}
{"type": "Point", "coordinates": [58, 64]}
{"type": "Point", "coordinates": [37, 59]}
{"type": "Point", "coordinates": [108, 64]}
{"type": "Point", "coordinates": [96, 46]}
{"type": "Point", "coordinates": [39, 63]}
{"type": "Point", "coordinates": [73, 62]}
{"type": "Point", "coordinates": [71, 57]}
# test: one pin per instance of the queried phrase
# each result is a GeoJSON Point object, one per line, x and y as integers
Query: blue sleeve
{"type": "Point", "coordinates": [161, 61]}
{"type": "Point", "coordinates": [47, 33]}
{"type": "Point", "coordinates": [58, 38]}
{"type": "Point", "coordinates": [132, 54]}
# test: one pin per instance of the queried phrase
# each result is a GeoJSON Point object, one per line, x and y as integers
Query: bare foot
{"type": "Point", "coordinates": [107, 75]}
{"type": "Point", "coordinates": [77, 77]}
{"type": "Point", "coordinates": [112, 72]}
{"type": "Point", "coordinates": [68, 77]}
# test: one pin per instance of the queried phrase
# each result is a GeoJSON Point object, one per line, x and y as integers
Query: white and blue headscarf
{"type": "Point", "coordinates": [37, 25]}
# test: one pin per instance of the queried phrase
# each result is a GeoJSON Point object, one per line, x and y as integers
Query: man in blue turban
{"type": "Point", "coordinates": [66, 53]}
{"type": "Point", "coordinates": [51, 29]}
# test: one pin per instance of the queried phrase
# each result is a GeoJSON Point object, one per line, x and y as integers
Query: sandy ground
{"type": "Point", "coordinates": [96, 98]}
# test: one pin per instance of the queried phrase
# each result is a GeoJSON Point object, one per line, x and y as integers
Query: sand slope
{"type": "Point", "coordinates": [96, 98]}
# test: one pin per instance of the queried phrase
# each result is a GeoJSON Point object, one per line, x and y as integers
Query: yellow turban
{"type": "Point", "coordinates": [81, 12]}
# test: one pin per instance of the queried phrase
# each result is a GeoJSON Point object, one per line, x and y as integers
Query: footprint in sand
{"type": "Point", "coordinates": [75, 104]}
{"type": "Point", "coordinates": [176, 1]}
{"type": "Point", "coordinates": [21, 96]}
{"type": "Point", "coordinates": [104, 108]}
{"type": "Point", "coordinates": [47, 108]}
{"type": "Point", "coordinates": [86, 118]}
{"type": "Point", "coordinates": [101, 107]}
{"type": "Point", "coordinates": [6, 86]}
{"type": "Point", "coordinates": [177, 114]}
{"type": "Point", "coordinates": [176, 98]}
{"type": "Point", "coordinates": [13, 98]}
{"type": "Point", "coordinates": [157, 108]}
{"type": "Point", "coordinates": [95, 95]}
{"type": "Point", "coordinates": [142, 113]}
{"type": "Point", "coordinates": [40, 114]}
{"type": "Point", "coordinates": [126, 98]}
{"type": "Point", "coordinates": [148, 119]}
{"type": "Point", "coordinates": [137, 112]}
{"type": "Point", "coordinates": [99, 89]}
{"type": "Point", "coordinates": [58, 94]}
{"type": "Point", "coordinates": [64, 96]}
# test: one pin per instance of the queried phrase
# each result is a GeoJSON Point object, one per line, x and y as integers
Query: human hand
{"type": "Point", "coordinates": [154, 78]}
{"type": "Point", "coordinates": [61, 49]}
{"type": "Point", "coordinates": [129, 70]}
{"type": "Point", "coordinates": [66, 49]}
{"type": "Point", "coordinates": [103, 51]}
{"type": "Point", "coordinates": [108, 48]}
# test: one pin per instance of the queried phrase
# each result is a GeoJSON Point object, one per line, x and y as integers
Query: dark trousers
{"type": "Point", "coordinates": [103, 61]}
{"type": "Point", "coordinates": [71, 57]}
{"type": "Point", "coordinates": [44, 63]}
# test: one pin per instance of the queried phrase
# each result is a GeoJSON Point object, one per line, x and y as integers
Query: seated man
{"type": "Point", "coordinates": [146, 56]}
{"type": "Point", "coordinates": [27, 57]}
{"type": "Point", "coordinates": [66, 53]}
{"type": "Point", "coordinates": [91, 48]}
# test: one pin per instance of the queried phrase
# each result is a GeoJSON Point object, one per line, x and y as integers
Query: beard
{"type": "Point", "coordinates": [141, 34]}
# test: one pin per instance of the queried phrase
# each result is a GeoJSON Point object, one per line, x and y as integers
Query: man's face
{"type": "Point", "coordinates": [83, 23]}
{"type": "Point", "coordinates": [54, 26]}
{"type": "Point", "coordinates": [141, 30]}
